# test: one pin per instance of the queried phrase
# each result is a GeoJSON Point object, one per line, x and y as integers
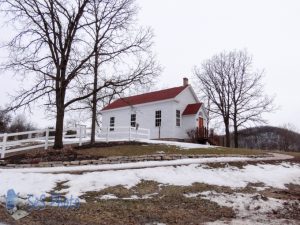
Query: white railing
{"type": "Point", "coordinates": [122, 133]}
{"type": "Point", "coordinates": [14, 142]}
{"type": "Point", "coordinates": [22, 141]}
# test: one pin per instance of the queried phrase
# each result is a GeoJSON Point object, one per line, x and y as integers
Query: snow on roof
{"type": "Point", "coordinates": [145, 98]}
{"type": "Point", "coordinates": [192, 109]}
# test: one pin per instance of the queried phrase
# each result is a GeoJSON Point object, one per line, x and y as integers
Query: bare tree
{"type": "Point", "coordinates": [129, 81]}
{"type": "Point", "coordinates": [50, 45]}
{"type": "Point", "coordinates": [116, 40]}
{"type": "Point", "coordinates": [59, 40]}
{"type": "Point", "coordinates": [213, 77]}
{"type": "Point", "coordinates": [5, 119]}
{"type": "Point", "coordinates": [247, 92]}
{"type": "Point", "coordinates": [20, 123]}
{"type": "Point", "coordinates": [235, 90]}
{"type": "Point", "coordinates": [118, 83]}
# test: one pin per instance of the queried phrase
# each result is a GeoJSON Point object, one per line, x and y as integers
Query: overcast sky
{"type": "Point", "coordinates": [190, 31]}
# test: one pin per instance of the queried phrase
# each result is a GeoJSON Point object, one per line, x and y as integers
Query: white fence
{"type": "Point", "coordinates": [22, 141]}
{"type": "Point", "coordinates": [122, 133]}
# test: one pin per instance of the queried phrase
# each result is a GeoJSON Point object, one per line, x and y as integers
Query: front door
{"type": "Point", "coordinates": [201, 127]}
{"type": "Point", "coordinates": [200, 122]}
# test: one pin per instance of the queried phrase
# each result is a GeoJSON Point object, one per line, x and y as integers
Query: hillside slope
{"type": "Point", "coordinates": [269, 138]}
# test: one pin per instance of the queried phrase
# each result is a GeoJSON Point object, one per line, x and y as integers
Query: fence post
{"type": "Point", "coordinates": [84, 131]}
{"type": "Point", "coordinates": [96, 131]}
{"type": "Point", "coordinates": [47, 139]}
{"type": "Point", "coordinates": [4, 145]}
{"type": "Point", "coordinates": [80, 135]}
{"type": "Point", "coordinates": [129, 133]}
{"type": "Point", "coordinates": [149, 134]}
{"type": "Point", "coordinates": [136, 135]}
{"type": "Point", "coordinates": [107, 133]}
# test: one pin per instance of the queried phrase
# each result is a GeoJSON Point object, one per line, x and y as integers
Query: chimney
{"type": "Point", "coordinates": [185, 81]}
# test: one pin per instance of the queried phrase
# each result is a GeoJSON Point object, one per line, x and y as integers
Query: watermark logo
{"type": "Point", "coordinates": [55, 200]}
{"type": "Point", "coordinates": [33, 202]}
{"type": "Point", "coordinates": [11, 200]}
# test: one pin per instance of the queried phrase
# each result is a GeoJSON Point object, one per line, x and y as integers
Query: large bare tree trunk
{"type": "Point", "coordinates": [236, 135]}
{"type": "Point", "coordinates": [235, 128]}
{"type": "Point", "coordinates": [94, 118]}
{"type": "Point", "coordinates": [59, 127]}
{"type": "Point", "coordinates": [60, 114]}
{"type": "Point", "coordinates": [94, 103]}
{"type": "Point", "coordinates": [227, 133]}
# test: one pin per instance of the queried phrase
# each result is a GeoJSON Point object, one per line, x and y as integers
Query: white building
{"type": "Point", "coordinates": [168, 113]}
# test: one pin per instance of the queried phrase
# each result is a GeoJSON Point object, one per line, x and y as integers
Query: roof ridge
{"type": "Point", "coordinates": [151, 92]}
{"type": "Point", "coordinates": [147, 97]}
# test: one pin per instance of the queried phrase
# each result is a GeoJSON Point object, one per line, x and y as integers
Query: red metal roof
{"type": "Point", "coordinates": [192, 109]}
{"type": "Point", "coordinates": [145, 98]}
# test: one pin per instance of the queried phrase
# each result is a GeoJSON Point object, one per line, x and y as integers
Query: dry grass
{"type": "Point", "coordinates": [295, 154]}
{"type": "Point", "coordinates": [72, 153]}
{"type": "Point", "coordinates": [168, 206]}
{"type": "Point", "coordinates": [136, 150]}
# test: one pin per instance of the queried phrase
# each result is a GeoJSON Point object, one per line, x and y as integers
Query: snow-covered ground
{"type": "Point", "coordinates": [245, 204]}
{"type": "Point", "coordinates": [40, 183]}
{"type": "Point", "coordinates": [133, 165]}
{"type": "Point", "coordinates": [146, 164]}
{"type": "Point", "coordinates": [249, 208]}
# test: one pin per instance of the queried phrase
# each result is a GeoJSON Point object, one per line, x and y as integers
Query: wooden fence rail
{"type": "Point", "coordinates": [22, 141]}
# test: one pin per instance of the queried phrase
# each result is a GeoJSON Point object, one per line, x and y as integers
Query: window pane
{"type": "Point", "coordinates": [178, 118]}
{"type": "Point", "coordinates": [158, 118]}
{"type": "Point", "coordinates": [112, 123]}
{"type": "Point", "coordinates": [133, 120]}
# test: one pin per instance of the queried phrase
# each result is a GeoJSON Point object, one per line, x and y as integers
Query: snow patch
{"type": "Point", "coordinates": [250, 208]}
{"type": "Point", "coordinates": [245, 204]}
{"type": "Point", "coordinates": [183, 145]}
{"type": "Point", "coordinates": [108, 196]}
{"type": "Point", "coordinates": [132, 197]}
{"type": "Point", "coordinates": [192, 195]}
{"type": "Point", "coordinates": [77, 184]}
{"type": "Point", "coordinates": [260, 188]}
{"type": "Point", "coordinates": [254, 221]}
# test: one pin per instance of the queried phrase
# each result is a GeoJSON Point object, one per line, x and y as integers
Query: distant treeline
{"type": "Point", "coordinates": [269, 138]}
{"type": "Point", "coordinates": [19, 123]}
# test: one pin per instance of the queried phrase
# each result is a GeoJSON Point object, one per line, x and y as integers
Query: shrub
{"type": "Point", "coordinates": [193, 134]}
{"type": "Point", "coordinates": [200, 136]}
{"type": "Point", "coordinates": [71, 132]}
